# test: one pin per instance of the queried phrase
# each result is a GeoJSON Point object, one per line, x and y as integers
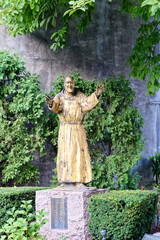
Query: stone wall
{"type": "Point", "coordinates": [100, 52]}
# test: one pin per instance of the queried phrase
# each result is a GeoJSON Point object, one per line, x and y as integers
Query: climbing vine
{"type": "Point", "coordinates": [24, 126]}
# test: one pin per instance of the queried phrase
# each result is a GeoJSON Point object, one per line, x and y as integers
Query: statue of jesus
{"type": "Point", "coordinates": [73, 159]}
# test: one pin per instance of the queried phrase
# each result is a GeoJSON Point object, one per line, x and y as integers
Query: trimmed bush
{"type": "Point", "coordinates": [123, 214]}
{"type": "Point", "coordinates": [12, 197]}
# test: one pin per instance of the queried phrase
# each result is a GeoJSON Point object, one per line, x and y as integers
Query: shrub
{"type": "Point", "coordinates": [23, 224]}
{"type": "Point", "coordinates": [24, 126]}
{"type": "Point", "coordinates": [12, 197]}
{"type": "Point", "coordinates": [123, 214]}
{"type": "Point", "coordinates": [155, 164]}
{"type": "Point", "coordinates": [113, 130]}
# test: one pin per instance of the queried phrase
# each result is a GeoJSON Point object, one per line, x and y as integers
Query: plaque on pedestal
{"type": "Point", "coordinates": [59, 213]}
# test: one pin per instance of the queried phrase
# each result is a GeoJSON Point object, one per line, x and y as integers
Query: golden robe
{"type": "Point", "coordinates": [73, 159]}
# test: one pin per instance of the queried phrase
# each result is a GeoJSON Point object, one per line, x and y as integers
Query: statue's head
{"type": "Point", "coordinates": [69, 85]}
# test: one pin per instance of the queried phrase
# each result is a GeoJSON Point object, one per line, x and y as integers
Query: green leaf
{"type": "Point", "coordinates": [37, 8]}
{"type": "Point", "coordinates": [42, 22]}
{"type": "Point", "coordinates": [32, 6]}
{"type": "Point", "coordinates": [154, 9]}
{"type": "Point", "coordinates": [68, 11]}
{"type": "Point", "coordinates": [149, 2]}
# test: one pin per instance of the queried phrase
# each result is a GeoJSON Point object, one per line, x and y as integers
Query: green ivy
{"type": "Point", "coordinates": [24, 126]}
{"type": "Point", "coordinates": [113, 131]}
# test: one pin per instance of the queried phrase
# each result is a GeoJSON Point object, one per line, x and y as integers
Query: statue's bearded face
{"type": "Point", "coordinates": [69, 85]}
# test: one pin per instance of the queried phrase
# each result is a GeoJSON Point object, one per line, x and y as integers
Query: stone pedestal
{"type": "Point", "coordinates": [68, 213]}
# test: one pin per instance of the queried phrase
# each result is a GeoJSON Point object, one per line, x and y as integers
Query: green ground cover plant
{"type": "Point", "coordinates": [23, 224]}
{"type": "Point", "coordinates": [13, 197]}
{"type": "Point", "coordinates": [123, 214]}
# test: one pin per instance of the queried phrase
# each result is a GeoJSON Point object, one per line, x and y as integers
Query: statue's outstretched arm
{"type": "Point", "coordinates": [88, 103]}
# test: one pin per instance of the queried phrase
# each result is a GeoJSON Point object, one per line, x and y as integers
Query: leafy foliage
{"type": "Point", "coordinates": [144, 61]}
{"type": "Point", "coordinates": [79, 5]}
{"type": "Point", "coordinates": [124, 214]}
{"type": "Point", "coordinates": [13, 197]}
{"type": "Point", "coordinates": [26, 16]}
{"type": "Point", "coordinates": [155, 164]}
{"type": "Point", "coordinates": [22, 225]}
{"type": "Point", "coordinates": [153, 7]}
{"type": "Point", "coordinates": [24, 126]}
{"type": "Point", "coordinates": [113, 130]}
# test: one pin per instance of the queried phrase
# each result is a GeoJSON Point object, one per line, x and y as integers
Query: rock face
{"type": "Point", "coordinates": [101, 51]}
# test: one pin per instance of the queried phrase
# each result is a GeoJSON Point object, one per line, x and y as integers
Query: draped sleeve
{"type": "Point", "coordinates": [88, 103]}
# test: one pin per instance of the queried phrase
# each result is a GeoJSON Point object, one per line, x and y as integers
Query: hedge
{"type": "Point", "coordinates": [12, 197]}
{"type": "Point", "coordinates": [123, 214]}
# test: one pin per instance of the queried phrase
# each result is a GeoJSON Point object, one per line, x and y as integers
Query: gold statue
{"type": "Point", "coordinates": [73, 159]}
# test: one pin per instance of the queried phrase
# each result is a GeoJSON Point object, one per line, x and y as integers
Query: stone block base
{"type": "Point", "coordinates": [68, 213]}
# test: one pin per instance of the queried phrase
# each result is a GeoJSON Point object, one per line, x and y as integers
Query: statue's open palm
{"type": "Point", "coordinates": [100, 89]}
{"type": "Point", "coordinates": [49, 101]}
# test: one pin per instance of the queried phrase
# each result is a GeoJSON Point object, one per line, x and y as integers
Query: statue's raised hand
{"type": "Point", "coordinates": [49, 101]}
{"type": "Point", "coordinates": [100, 89]}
